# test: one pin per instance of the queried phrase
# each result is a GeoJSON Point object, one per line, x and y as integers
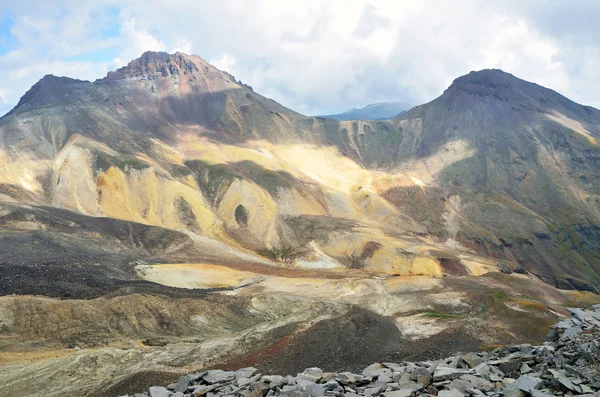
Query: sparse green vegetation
{"type": "Point", "coordinates": [276, 254]}
{"type": "Point", "coordinates": [105, 161]}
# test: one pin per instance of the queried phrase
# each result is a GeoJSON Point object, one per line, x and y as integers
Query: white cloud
{"type": "Point", "coordinates": [225, 62]}
{"type": "Point", "coordinates": [3, 98]}
{"type": "Point", "coordinates": [320, 56]}
{"type": "Point", "coordinates": [183, 45]}
{"type": "Point", "coordinates": [134, 42]}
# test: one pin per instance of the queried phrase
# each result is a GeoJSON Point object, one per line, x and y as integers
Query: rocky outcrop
{"type": "Point", "coordinates": [564, 365]}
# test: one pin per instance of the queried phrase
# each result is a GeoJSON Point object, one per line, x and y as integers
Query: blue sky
{"type": "Point", "coordinates": [315, 56]}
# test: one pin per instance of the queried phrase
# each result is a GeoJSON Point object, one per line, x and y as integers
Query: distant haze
{"type": "Point", "coordinates": [374, 111]}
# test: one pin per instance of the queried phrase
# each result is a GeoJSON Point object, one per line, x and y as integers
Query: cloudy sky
{"type": "Point", "coordinates": [315, 56]}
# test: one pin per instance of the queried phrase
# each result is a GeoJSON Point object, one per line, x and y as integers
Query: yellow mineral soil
{"type": "Point", "coordinates": [258, 204]}
{"type": "Point", "coordinates": [148, 195]}
{"type": "Point", "coordinates": [196, 275]}
{"type": "Point", "coordinates": [575, 126]}
{"type": "Point", "coordinates": [478, 268]}
{"type": "Point", "coordinates": [17, 357]}
{"type": "Point", "coordinates": [23, 170]}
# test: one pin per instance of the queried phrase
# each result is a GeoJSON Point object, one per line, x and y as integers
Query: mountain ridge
{"type": "Point", "coordinates": [174, 120]}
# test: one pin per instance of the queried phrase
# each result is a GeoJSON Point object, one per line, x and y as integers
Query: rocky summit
{"type": "Point", "coordinates": [566, 364]}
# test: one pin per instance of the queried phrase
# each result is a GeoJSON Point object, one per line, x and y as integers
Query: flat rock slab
{"type": "Point", "coordinates": [218, 376]}
{"type": "Point", "coordinates": [451, 393]}
{"type": "Point", "coordinates": [446, 373]}
{"type": "Point", "coordinates": [399, 393]}
{"type": "Point", "coordinates": [159, 391]}
{"type": "Point", "coordinates": [526, 383]}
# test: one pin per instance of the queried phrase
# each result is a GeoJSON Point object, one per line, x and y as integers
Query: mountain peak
{"type": "Point", "coordinates": [49, 88]}
{"type": "Point", "coordinates": [158, 63]}
{"type": "Point", "coordinates": [486, 82]}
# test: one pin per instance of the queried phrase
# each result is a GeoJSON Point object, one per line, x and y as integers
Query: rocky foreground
{"type": "Point", "coordinates": [567, 364]}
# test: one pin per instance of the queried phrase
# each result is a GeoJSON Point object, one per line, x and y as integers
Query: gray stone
{"type": "Point", "coordinates": [460, 385]}
{"type": "Point", "coordinates": [451, 393]}
{"type": "Point", "coordinates": [159, 391]}
{"type": "Point", "coordinates": [526, 383]}
{"type": "Point", "coordinates": [578, 313]}
{"type": "Point", "coordinates": [472, 360]}
{"type": "Point", "coordinates": [586, 389]}
{"type": "Point", "coordinates": [313, 389]}
{"type": "Point", "coordinates": [424, 379]}
{"type": "Point", "coordinates": [509, 366]}
{"type": "Point", "coordinates": [202, 390]}
{"type": "Point", "coordinates": [375, 390]}
{"type": "Point", "coordinates": [246, 381]}
{"type": "Point", "coordinates": [394, 367]}
{"type": "Point", "coordinates": [303, 382]}
{"type": "Point", "coordinates": [327, 376]}
{"type": "Point", "coordinates": [571, 333]}
{"type": "Point", "coordinates": [537, 393]}
{"type": "Point", "coordinates": [260, 385]}
{"type": "Point", "coordinates": [482, 369]}
{"type": "Point", "coordinates": [446, 373]}
{"type": "Point", "coordinates": [525, 369]}
{"type": "Point", "coordinates": [183, 384]}
{"type": "Point", "coordinates": [478, 383]}
{"type": "Point", "coordinates": [331, 385]}
{"type": "Point", "coordinates": [399, 393]}
{"type": "Point", "coordinates": [566, 382]}
{"type": "Point", "coordinates": [347, 378]}
{"type": "Point", "coordinates": [245, 372]}
{"type": "Point", "coordinates": [514, 393]}
{"type": "Point", "coordinates": [475, 392]}
{"type": "Point", "coordinates": [313, 371]}
{"type": "Point", "coordinates": [274, 381]}
{"type": "Point", "coordinates": [311, 374]}
{"type": "Point", "coordinates": [218, 376]}
{"type": "Point", "coordinates": [375, 370]}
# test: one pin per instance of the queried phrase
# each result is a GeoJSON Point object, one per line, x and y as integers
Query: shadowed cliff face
{"type": "Point", "coordinates": [495, 173]}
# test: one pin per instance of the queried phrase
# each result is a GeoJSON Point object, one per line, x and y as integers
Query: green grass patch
{"type": "Point", "coordinates": [500, 294]}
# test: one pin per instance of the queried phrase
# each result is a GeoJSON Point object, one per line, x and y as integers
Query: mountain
{"type": "Point", "coordinates": [495, 171]}
{"type": "Point", "coordinates": [374, 111]}
{"type": "Point", "coordinates": [178, 219]}
{"type": "Point", "coordinates": [509, 169]}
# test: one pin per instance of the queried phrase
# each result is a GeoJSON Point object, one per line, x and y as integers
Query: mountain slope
{"type": "Point", "coordinates": [495, 173]}
{"type": "Point", "coordinates": [374, 111]}
{"type": "Point", "coordinates": [510, 169]}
